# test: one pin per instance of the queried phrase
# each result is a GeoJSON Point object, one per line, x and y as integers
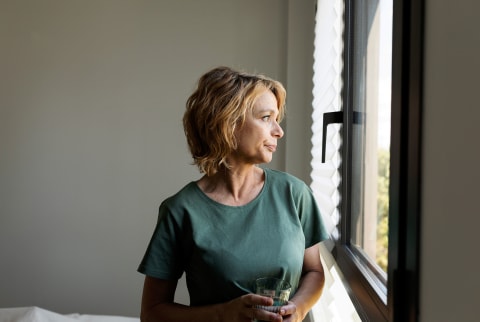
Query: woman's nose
{"type": "Point", "coordinates": [277, 131]}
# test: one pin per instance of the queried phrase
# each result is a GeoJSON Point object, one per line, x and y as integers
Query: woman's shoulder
{"type": "Point", "coordinates": [183, 196]}
{"type": "Point", "coordinates": [281, 177]}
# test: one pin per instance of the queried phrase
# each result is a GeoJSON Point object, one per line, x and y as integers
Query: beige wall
{"type": "Point", "coordinates": [91, 98]}
{"type": "Point", "coordinates": [450, 268]}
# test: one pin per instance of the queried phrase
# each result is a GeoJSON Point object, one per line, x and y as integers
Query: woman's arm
{"type": "Point", "coordinates": [310, 287]}
{"type": "Point", "coordinates": [158, 306]}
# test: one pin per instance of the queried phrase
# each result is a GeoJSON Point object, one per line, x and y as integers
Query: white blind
{"type": "Point", "coordinates": [335, 304]}
{"type": "Point", "coordinates": [327, 86]}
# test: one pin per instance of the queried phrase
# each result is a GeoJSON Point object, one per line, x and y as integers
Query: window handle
{"type": "Point", "coordinates": [337, 117]}
{"type": "Point", "coordinates": [329, 118]}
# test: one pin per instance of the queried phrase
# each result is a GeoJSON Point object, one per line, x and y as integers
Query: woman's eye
{"type": "Point", "coordinates": [266, 118]}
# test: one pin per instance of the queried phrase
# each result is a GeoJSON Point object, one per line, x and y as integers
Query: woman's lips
{"type": "Point", "coordinates": [272, 148]}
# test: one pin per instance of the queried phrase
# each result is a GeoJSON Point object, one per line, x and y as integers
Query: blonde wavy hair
{"type": "Point", "coordinates": [218, 107]}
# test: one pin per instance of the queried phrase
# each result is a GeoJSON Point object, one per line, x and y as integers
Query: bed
{"type": "Point", "coordinates": [36, 314]}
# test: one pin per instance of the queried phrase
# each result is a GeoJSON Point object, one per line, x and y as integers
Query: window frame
{"type": "Point", "coordinates": [398, 299]}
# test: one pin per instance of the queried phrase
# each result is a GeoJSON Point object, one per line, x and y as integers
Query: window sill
{"type": "Point", "coordinates": [334, 304]}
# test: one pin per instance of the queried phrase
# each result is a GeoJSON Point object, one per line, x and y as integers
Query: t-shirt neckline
{"type": "Point", "coordinates": [219, 204]}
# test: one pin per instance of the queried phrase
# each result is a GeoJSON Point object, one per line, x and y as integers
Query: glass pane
{"type": "Point", "coordinates": [371, 129]}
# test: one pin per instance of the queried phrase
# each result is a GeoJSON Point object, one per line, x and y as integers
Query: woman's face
{"type": "Point", "coordinates": [257, 138]}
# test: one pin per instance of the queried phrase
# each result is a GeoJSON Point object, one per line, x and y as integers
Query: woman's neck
{"type": "Point", "coordinates": [233, 187]}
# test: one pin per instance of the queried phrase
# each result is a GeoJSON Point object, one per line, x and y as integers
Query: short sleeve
{"type": "Point", "coordinates": [311, 218]}
{"type": "Point", "coordinates": [163, 257]}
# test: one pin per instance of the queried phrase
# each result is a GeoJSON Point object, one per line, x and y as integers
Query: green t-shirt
{"type": "Point", "coordinates": [223, 249]}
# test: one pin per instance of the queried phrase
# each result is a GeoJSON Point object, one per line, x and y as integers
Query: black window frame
{"type": "Point", "coordinates": [398, 300]}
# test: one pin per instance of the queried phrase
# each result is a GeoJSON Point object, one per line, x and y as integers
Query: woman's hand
{"type": "Point", "coordinates": [290, 313]}
{"type": "Point", "coordinates": [242, 309]}
{"type": "Point", "coordinates": [158, 305]}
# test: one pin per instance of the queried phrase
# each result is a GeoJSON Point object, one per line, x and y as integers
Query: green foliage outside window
{"type": "Point", "coordinates": [382, 204]}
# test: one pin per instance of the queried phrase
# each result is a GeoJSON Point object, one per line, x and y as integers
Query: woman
{"type": "Point", "coordinates": [238, 222]}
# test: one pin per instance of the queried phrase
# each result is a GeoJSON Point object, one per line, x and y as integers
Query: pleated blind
{"type": "Point", "coordinates": [327, 86]}
{"type": "Point", "coordinates": [335, 304]}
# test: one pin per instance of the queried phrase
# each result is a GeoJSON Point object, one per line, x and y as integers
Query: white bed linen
{"type": "Point", "coordinates": [36, 314]}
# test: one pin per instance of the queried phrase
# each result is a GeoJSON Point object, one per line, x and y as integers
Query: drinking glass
{"type": "Point", "coordinates": [277, 289]}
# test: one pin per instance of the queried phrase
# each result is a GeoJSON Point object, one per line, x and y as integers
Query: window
{"type": "Point", "coordinates": [367, 131]}
{"type": "Point", "coordinates": [369, 127]}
